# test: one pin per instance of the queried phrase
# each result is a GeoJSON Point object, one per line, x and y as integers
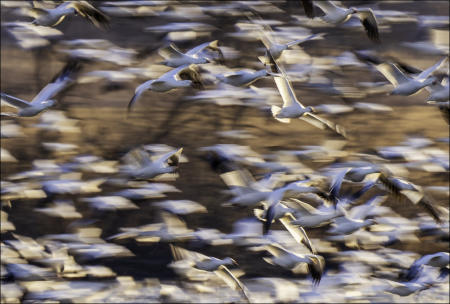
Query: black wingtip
{"type": "Point", "coordinates": [315, 269]}
{"type": "Point", "coordinates": [308, 6]}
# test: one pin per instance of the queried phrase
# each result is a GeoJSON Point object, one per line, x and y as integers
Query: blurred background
{"type": "Point", "coordinates": [90, 119]}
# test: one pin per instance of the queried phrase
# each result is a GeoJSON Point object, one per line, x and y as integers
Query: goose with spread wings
{"type": "Point", "coordinates": [53, 17]}
{"type": "Point", "coordinates": [43, 100]}
{"type": "Point", "coordinates": [192, 259]}
{"type": "Point", "coordinates": [181, 77]}
{"type": "Point", "coordinates": [292, 260]}
{"type": "Point", "coordinates": [335, 15]}
{"type": "Point", "coordinates": [198, 55]}
{"type": "Point", "coordinates": [406, 85]}
{"type": "Point", "coordinates": [292, 107]}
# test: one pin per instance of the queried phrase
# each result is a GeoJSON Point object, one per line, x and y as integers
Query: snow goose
{"type": "Point", "coordinates": [198, 55]}
{"type": "Point", "coordinates": [242, 77]}
{"type": "Point", "coordinates": [52, 17]}
{"type": "Point", "coordinates": [183, 258]}
{"type": "Point", "coordinates": [145, 168]}
{"type": "Point", "coordinates": [42, 101]}
{"type": "Point", "coordinates": [291, 260]}
{"type": "Point", "coordinates": [400, 187]}
{"type": "Point", "coordinates": [439, 259]}
{"type": "Point", "coordinates": [292, 108]}
{"type": "Point", "coordinates": [405, 85]}
{"type": "Point", "coordinates": [181, 77]}
{"type": "Point", "coordinates": [336, 15]}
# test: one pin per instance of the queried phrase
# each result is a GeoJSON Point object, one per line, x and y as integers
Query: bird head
{"type": "Point", "coordinates": [311, 109]}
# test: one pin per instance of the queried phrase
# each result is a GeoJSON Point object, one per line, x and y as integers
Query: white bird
{"type": "Point", "coordinates": [210, 264]}
{"type": "Point", "coordinates": [310, 217]}
{"type": "Point", "coordinates": [439, 259]}
{"type": "Point", "coordinates": [147, 168]}
{"type": "Point", "coordinates": [43, 100]}
{"type": "Point", "coordinates": [181, 77]}
{"type": "Point", "coordinates": [291, 260]}
{"type": "Point", "coordinates": [336, 15]}
{"type": "Point", "coordinates": [354, 220]}
{"type": "Point", "coordinates": [277, 210]}
{"type": "Point", "coordinates": [292, 108]}
{"type": "Point", "coordinates": [406, 288]}
{"type": "Point", "coordinates": [198, 55]}
{"type": "Point", "coordinates": [242, 77]}
{"type": "Point", "coordinates": [52, 17]}
{"type": "Point", "coordinates": [405, 85]}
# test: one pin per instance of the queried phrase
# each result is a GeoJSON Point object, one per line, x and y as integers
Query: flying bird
{"type": "Point", "coordinates": [181, 77]}
{"type": "Point", "coordinates": [198, 55]}
{"type": "Point", "coordinates": [43, 100]}
{"type": "Point", "coordinates": [53, 17]}
{"type": "Point", "coordinates": [334, 14]}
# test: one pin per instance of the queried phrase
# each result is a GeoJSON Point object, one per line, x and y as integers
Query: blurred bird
{"type": "Point", "coordinates": [290, 260]}
{"type": "Point", "coordinates": [145, 168]}
{"type": "Point", "coordinates": [292, 108]}
{"type": "Point", "coordinates": [181, 77]}
{"type": "Point", "coordinates": [405, 85]}
{"type": "Point", "coordinates": [175, 58]}
{"type": "Point", "coordinates": [439, 259]}
{"type": "Point", "coordinates": [53, 17]}
{"type": "Point", "coordinates": [210, 264]}
{"type": "Point", "coordinates": [336, 15]}
{"type": "Point", "coordinates": [42, 101]}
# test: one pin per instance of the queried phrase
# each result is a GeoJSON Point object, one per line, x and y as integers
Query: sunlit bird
{"type": "Point", "coordinates": [181, 77]}
{"type": "Point", "coordinates": [336, 15]}
{"type": "Point", "coordinates": [53, 17]}
{"type": "Point", "coordinates": [198, 55]}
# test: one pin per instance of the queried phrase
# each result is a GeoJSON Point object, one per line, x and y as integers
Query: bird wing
{"type": "Point", "coordinates": [328, 7]}
{"type": "Point", "coordinates": [286, 91]}
{"type": "Point", "coordinates": [231, 280]}
{"type": "Point", "coordinates": [424, 75]}
{"type": "Point", "coordinates": [309, 8]}
{"type": "Point", "coordinates": [14, 101]}
{"type": "Point", "coordinates": [88, 11]}
{"type": "Point", "coordinates": [360, 212]}
{"type": "Point", "coordinates": [315, 267]}
{"type": "Point", "coordinates": [337, 183]}
{"type": "Point", "coordinates": [213, 45]}
{"type": "Point", "coordinates": [170, 51]}
{"type": "Point", "coordinates": [179, 254]}
{"type": "Point", "coordinates": [60, 82]}
{"type": "Point", "coordinates": [310, 37]}
{"type": "Point", "coordinates": [323, 124]}
{"type": "Point", "coordinates": [392, 73]}
{"type": "Point", "coordinates": [369, 22]}
{"type": "Point", "coordinates": [301, 207]}
{"type": "Point", "coordinates": [138, 92]}
{"type": "Point", "coordinates": [298, 233]}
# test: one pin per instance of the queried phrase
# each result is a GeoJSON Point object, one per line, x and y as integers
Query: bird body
{"type": "Point", "coordinates": [242, 77]}
{"type": "Point", "coordinates": [167, 163]}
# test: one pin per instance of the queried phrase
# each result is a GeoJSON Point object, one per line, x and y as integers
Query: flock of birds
{"type": "Point", "coordinates": [354, 257]}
